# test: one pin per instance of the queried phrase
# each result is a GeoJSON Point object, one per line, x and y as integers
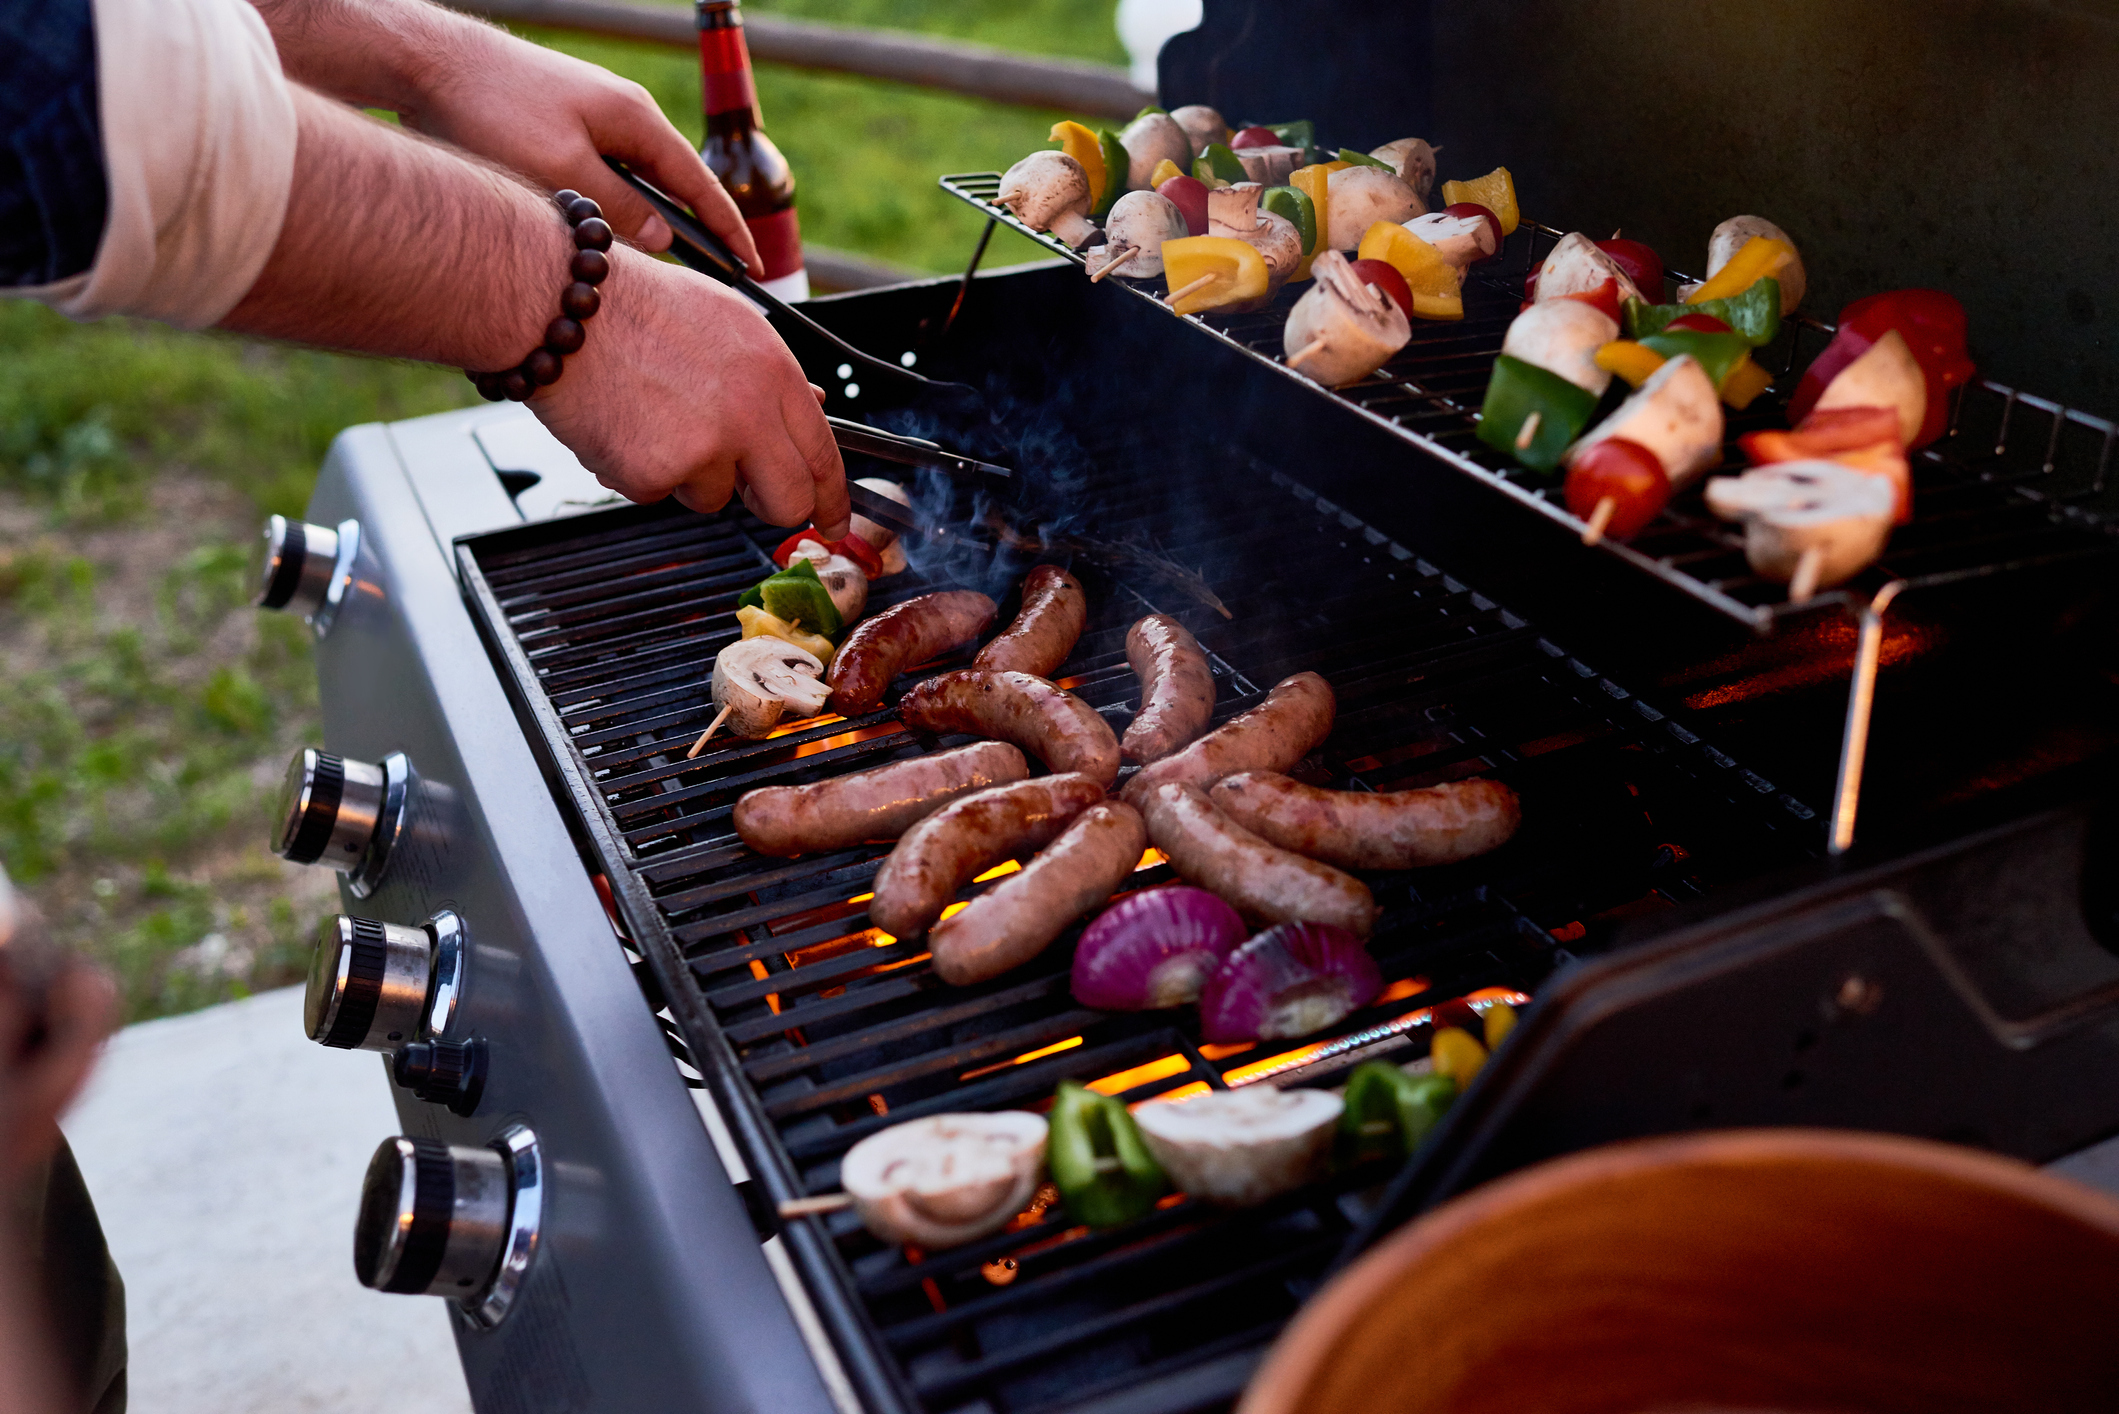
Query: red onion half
{"type": "Point", "coordinates": [1155, 949]}
{"type": "Point", "coordinates": [1290, 980]}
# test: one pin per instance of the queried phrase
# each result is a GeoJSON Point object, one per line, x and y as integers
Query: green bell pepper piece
{"type": "Point", "coordinates": [1116, 164]}
{"type": "Point", "coordinates": [1362, 159]}
{"type": "Point", "coordinates": [1297, 207]}
{"type": "Point", "coordinates": [1756, 313]}
{"type": "Point", "coordinates": [1151, 108]}
{"type": "Point", "coordinates": [1098, 1160]}
{"type": "Point", "coordinates": [1218, 163]}
{"type": "Point", "coordinates": [795, 593]}
{"type": "Point", "coordinates": [1301, 133]}
{"type": "Point", "coordinates": [1517, 390]}
{"type": "Point", "coordinates": [1719, 354]}
{"type": "Point", "coordinates": [1389, 1112]}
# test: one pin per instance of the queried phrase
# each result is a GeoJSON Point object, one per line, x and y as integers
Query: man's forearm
{"type": "Point", "coordinates": [398, 246]}
{"type": "Point", "coordinates": [376, 53]}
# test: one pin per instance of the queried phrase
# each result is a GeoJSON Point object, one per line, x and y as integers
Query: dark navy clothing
{"type": "Point", "coordinates": [53, 195]}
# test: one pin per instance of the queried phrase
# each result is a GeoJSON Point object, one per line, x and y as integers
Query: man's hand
{"type": "Point", "coordinates": [39, 1079]}
{"type": "Point", "coordinates": [683, 389]}
{"type": "Point", "coordinates": [524, 107]}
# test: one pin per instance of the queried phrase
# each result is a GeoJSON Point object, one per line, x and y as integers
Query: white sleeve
{"type": "Point", "coordinates": [198, 151]}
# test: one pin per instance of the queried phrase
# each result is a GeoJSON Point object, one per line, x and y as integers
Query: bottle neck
{"type": "Point", "coordinates": [728, 92]}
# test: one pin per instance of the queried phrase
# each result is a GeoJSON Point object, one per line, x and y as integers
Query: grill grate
{"type": "Point", "coordinates": [2019, 482]}
{"type": "Point", "coordinates": [814, 1030]}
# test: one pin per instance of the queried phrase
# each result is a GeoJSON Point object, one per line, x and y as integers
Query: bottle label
{"type": "Point", "coordinates": [724, 68]}
{"type": "Point", "coordinates": [779, 238]}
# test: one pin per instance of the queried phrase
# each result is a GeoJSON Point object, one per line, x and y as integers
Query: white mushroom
{"type": "Point", "coordinates": [1462, 240]}
{"type": "Point", "coordinates": [1149, 139]}
{"type": "Point", "coordinates": [1676, 415]}
{"type": "Point", "coordinates": [1414, 162]}
{"type": "Point", "coordinates": [1269, 166]}
{"type": "Point", "coordinates": [842, 578]}
{"type": "Point", "coordinates": [947, 1179]}
{"type": "Point", "coordinates": [1350, 329]}
{"type": "Point", "coordinates": [1887, 376]}
{"type": "Point", "coordinates": [1239, 1148]}
{"type": "Point", "coordinates": [1577, 267]}
{"type": "Point", "coordinates": [760, 680]}
{"type": "Point", "coordinates": [1812, 523]}
{"type": "Point", "coordinates": [882, 538]}
{"type": "Point", "coordinates": [1139, 223]}
{"type": "Point", "coordinates": [1735, 233]}
{"type": "Point", "coordinates": [1358, 197]}
{"type": "Point", "coordinates": [1233, 211]}
{"type": "Point", "coordinates": [1562, 336]}
{"type": "Point", "coordinates": [1049, 191]}
{"type": "Point", "coordinates": [1202, 125]}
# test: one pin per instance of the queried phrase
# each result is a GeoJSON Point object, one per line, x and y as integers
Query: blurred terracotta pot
{"type": "Point", "coordinates": [1748, 1270]}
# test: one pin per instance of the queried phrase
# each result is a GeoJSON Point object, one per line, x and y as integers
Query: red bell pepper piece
{"type": "Point", "coordinates": [1933, 325]}
{"type": "Point", "coordinates": [1604, 297]}
{"type": "Point", "coordinates": [1865, 439]}
{"type": "Point", "coordinates": [853, 547]}
{"type": "Point", "coordinates": [1705, 323]}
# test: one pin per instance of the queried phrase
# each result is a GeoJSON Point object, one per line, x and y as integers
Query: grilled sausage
{"type": "Point", "coordinates": [1295, 717]}
{"type": "Point", "coordinates": [1262, 881]}
{"type": "Point", "coordinates": [1055, 610]}
{"type": "Point", "coordinates": [1400, 829]}
{"type": "Point", "coordinates": [1019, 916]}
{"type": "Point", "coordinates": [1056, 727]}
{"type": "Point", "coordinates": [1176, 688]}
{"type": "Point", "coordinates": [949, 848]}
{"type": "Point", "coordinates": [902, 636]}
{"type": "Point", "coordinates": [877, 804]}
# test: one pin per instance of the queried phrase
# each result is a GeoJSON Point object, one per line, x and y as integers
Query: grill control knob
{"type": "Point", "coordinates": [451, 1220]}
{"type": "Point", "coordinates": [344, 813]}
{"type": "Point", "coordinates": [308, 568]}
{"type": "Point", "coordinates": [377, 986]}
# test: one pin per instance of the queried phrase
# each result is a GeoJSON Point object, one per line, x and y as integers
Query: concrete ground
{"type": "Point", "coordinates": [225, 1152]}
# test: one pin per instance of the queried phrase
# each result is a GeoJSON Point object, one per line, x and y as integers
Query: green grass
{"type": "Point", "coordinates": [146, 709]}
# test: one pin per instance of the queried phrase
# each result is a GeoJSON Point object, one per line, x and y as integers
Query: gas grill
{"type": "Point", "coordinates": [658, 1045]}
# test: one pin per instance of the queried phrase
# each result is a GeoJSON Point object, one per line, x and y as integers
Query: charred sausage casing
{"type": "Point", "coordinates": [1260, 880]}
{"type": "Point", "coordinates": [1056, 727]}
{"type": "Point", "coordinates": [1292, 722]}
{"type": "Point", "coordinates": [877, 804]}
{"type": "Point", "coordinates": [1176, 688]}
{"type": "Point", "coordinates": [945, 851]}
{"type": "Point", "coordinates": [1054, 613]}
{"type": "Point", "coordinates": [902, 636]}
{"type": "Point", "coordinates": [1400, 829]}
{"type": "Point", "coordinates": [1018, 917]}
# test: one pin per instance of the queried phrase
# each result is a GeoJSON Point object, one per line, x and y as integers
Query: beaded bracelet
{"type": "Point", "coordinates": [579, 300]}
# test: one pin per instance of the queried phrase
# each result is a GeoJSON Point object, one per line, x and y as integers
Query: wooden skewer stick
{"type": "Point", "coordinates": [1593, 533]}
{"type": "Point", "coordinates": [711, 727]}
{"type": "Point", "coordinates": [1201, 283]}
{"type": "Point", "coordinates": [1529, 431]}
{"type": "Point", "coordinates": [1308, 351]}
{"type": "Point", "coordinates": [1803, 583]}
{"type": "Point", "coordinates": [1132, 254]}
{"type": "Point", "coordinates": [811, 1207]}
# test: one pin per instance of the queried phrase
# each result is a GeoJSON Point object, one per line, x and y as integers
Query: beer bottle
{"type": "Point", "coordinates": [740, 153]}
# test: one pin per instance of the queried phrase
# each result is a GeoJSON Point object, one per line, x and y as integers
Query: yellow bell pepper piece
{"type": "Point", "coordinates": [1086, 148]}
{"type": "Point", "coordinates": [1744, 383]}
{"type": "Point", "coordinates": [1212, 272]}
{"type": "Point", "coordinates": [1760, 257]}
{"type": "Point", "coordinates": [1457, 1054]}
{"type": "Point", "coordinates": [1314, 182]}
{"type": "Point", "coordinates": [1500, 1020]}
{"type": "Point", "coordinates": [1496, 191]}
{"type": "Point", "coordinates": [1335, 165]}
{"type": "Point", "coordinates": [757, 623]}
{"type": "Point", "coordinates": [1164, 170]}
{"type": "Point", "coordinates": [1636, 363]}
{"type": "Point", "coordinates": [1438, 307]}
{"type": "Point", "coordinates": [1424, 269]}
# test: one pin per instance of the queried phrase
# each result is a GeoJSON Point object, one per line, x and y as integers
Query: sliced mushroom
{"type": "Point", "coordinates": [1735, 233]}
{"type": "Point", "coordinates": [1887, 376]}
{"type": "Point", "coordinates": [1414, 162]}
{"type": "Point", "coordinates": [1049, 191]}
{"type": "Point", "coordinates": [1562, 336]}
{"type": "Point", "coordinates": [1233, 211]}
{"type": "Point", "coordinates": [1832, 516]}
{"type": "Point", "coordinates": [882, 538]}
{"type": "Point", "coordinates": [1238, 1148]}
{"type": "Point", "coordinates": [1358, 197]}
{"type": "Point", "coordinates": [1350, 328]}
{"type": "Point", "coordinates": [1149, 139]}
{"type": "Point", "coordinates": [760, 680]}
{"type": "Point", "coordinates": [1269, 166]}
{"type": "Point", "coordinates": [842, 578]}
{"type": "Point", "coordinates": [1462, 240]}
{"type": "Point", "coordinates": [1202, 125]}
{"type": "Point", "coordinates": [1676, 415]}
{"type": "Point", "coordinates": [1577, 267]}
{"type": "Point", "coordinates": [1139, 223]}
{"type": "Point", "coordinates": [946, 1179]}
